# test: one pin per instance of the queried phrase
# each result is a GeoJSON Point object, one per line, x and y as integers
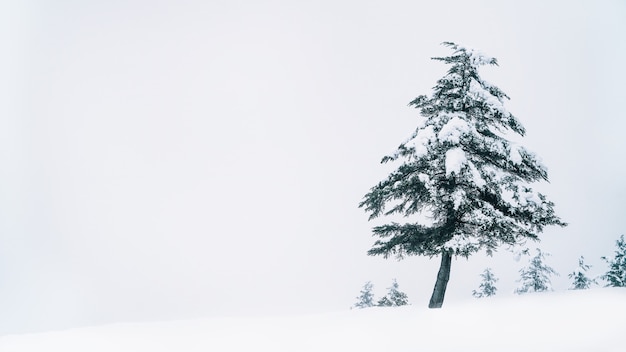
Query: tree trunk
{"type": "Point", "coordinates": [436, 300]}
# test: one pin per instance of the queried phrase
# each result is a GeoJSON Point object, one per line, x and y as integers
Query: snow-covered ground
{"type": "Point", "coordinates": [590, 320]}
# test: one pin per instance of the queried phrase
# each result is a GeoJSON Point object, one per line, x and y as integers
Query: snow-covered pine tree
{"type": "Point", "coordinates": [466, 185]}
{"type": "Point", "coordinates": [487, 287]}
{"type": "Point", "coordinates": [366, 298]}
{"type": "Point", "coordinates": [616, 276]}
{"type": "Point", "coordinates": [397, 297]}
{"type": "Point", "coordinates": [536, 276]}
{"type": "Point", "coordinates": [394, 297]}
{"type": "Point", "coordinates": [579, 276]}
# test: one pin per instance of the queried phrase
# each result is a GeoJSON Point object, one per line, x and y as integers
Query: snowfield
{"type": "Point", "coordinates": [590, 320]}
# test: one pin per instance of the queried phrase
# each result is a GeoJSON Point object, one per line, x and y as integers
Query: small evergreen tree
{"type": "Point", "coordinates": [487, 288]}
{"type": "Point", "coordinates": [459, 170]}
{"type": "Point", "coordinates": [536, 277]}
{"type": "Point", "coordinates": [366, 298]}
{"type": "Point", "coordinates": [394, 297]}
{"type": "Point", "coordinates": [616, 276]}
{"type": "Point", "coordinates": [581, 281]}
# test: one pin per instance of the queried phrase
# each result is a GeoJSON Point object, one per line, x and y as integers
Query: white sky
{"type": "Point", "coordinates": [176, 159]}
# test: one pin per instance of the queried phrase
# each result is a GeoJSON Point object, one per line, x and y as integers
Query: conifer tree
{"type": "Point", "coordinates": [579, 277]}
{"type": "Point", "coordinates": [394, 297]}
{"type": "Point", "coordinates": [616, 276]}
{"type": "Point", "coordinates": [366, 298]}
{"type": "Point", "coordinates": [464, 185]}
{"type": "Point", "coordinates": [487, 287]}
{"type": "Point", "coordinates": [536, 276]}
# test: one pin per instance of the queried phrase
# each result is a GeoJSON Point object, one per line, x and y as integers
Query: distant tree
{"type": "Point", "coordinates": [394, 297]}
{"type": "Point", "coordinates": [579, 276]}
{"type": "Point", "coordinates": [487, 287]}
{"type": "Point", "coordinates": [458, 171]}
{"type": "Point", "coordinates": [616, 276]}
{"type": "Point", "coordinates": [536, 276]}
{"type": "Point", "coordinates": [366, 298]}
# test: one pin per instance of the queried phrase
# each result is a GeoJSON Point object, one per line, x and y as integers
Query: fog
{"type": "Point", "coordinates": [165, 160]}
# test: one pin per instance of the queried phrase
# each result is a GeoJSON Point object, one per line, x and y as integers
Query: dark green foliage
{"type": "Point", "coordinates": [487, 287]}
{"type": "Point", "coordinates": [616, 276]}
{"type": "Point", "coordinates": [580, 279]}
{"type": "Point", "coordinates": [469, 211]}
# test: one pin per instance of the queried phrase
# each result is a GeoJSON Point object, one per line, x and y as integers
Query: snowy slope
{"type": "Point", "coordinates": [591, 320]}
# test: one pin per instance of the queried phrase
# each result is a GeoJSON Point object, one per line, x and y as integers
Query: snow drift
{"type": "Point", "coordinates": [589, 320]}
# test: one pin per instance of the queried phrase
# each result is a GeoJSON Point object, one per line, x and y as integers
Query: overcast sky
{"type": "Point", "coordinates": [175, 159]}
